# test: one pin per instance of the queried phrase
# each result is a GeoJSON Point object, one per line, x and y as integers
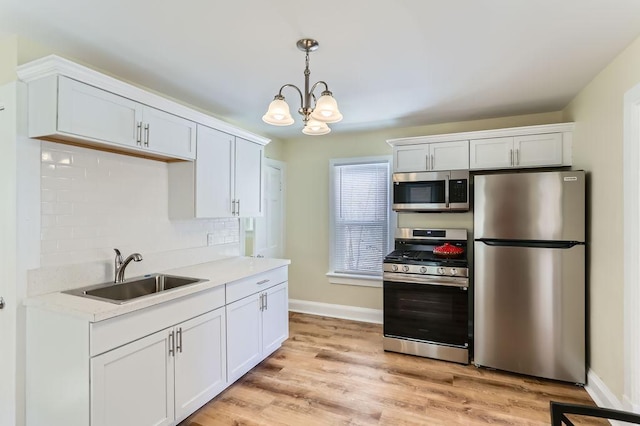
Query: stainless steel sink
{"type": "Point", "coordinates": [134, 288]}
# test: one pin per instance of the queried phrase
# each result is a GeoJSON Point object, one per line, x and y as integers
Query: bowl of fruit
{"type": "Point", "coordinates": [448, 250]}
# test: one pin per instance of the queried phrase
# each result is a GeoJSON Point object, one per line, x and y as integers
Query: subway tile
{"type": "Point", "coordinates": [51, 182]}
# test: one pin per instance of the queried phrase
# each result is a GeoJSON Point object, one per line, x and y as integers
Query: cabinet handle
{"type": "Point", "coordinates": [139, 133]}
{"type": "Point", "coordinates": [433, 159]}
{"type": "Point", "coordinates": [427, 158]}
{"type": "Point", "coordinates": [262, 282]}
{"type": "Point", "coordinates": [517, 157]}
{"type": "Point", "coordinates": [238, 203]}
{"type": "Point", "coordinates": [260, 303]}
{"type": "Point", "coordinates": [146, 134]}
{"type": "Point", "coordinates": [511, 156]}
{"type": "Point", "coordinates": [172, 351]}
{"type": "Point", "coordinates": [179, 338]}
{"type": "Point", "coordinates": [266, 301]}
{"type": "Point", "coordinates": [233, 207]}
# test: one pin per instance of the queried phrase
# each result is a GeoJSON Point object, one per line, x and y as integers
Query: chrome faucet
{"type": "Point", "coordinates": [120, 264]}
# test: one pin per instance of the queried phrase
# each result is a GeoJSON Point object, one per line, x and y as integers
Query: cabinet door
{"type": "Point", "coordinates": [200, 363]}
{"type": "Point", "coordinates": [275, 318]}
{"type": "Point", "coordinates": [450, 155]}
{"type": "Point", "coordinates": [492, 153]}
{"type": "Point", "coordinates": [243, 336]}
{"type": "Point", "coordinates": [538, 150]}
{"type": "Point", "coordinates": [96, 114]}
{"type": "Point", "coordinates": [168, 134]}
{"type": "Point", "coordinates": [214, 173]}
{"type": "Point", "coordinates": [248, 175]}
{"type": "Point", "coordinates": [133, 384]}
{"type": "Point", "coordinates": [411, 158]}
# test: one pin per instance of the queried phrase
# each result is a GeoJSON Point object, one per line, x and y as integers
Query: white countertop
{"type": "Point", "coordinates": [216, 273]}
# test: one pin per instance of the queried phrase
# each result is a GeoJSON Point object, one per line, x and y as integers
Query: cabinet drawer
{"type": "Point", "coordinates": [255, 283]}
{"type": "Point", "coordinates": [114, 332]}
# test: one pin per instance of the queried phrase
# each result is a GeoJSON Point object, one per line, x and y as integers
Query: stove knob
{"type": "Point", "coordinates": [394, 268]}
{"type": "Point", "coordinates": [423, 270]}
{"type": "Point", "coordinates": [405, 268]}
{"type": "Point", "coordinates": [441, 271]}
{"type": "Point", "coordinates": [453, 271]}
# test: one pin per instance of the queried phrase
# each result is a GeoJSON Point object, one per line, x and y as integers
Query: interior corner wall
{"type": "Point", "coordinates": [597, 148]}
{"type": "Point", "coordinates": [8, 59]}
{"type": "Point", "coordinates": [307, 210]}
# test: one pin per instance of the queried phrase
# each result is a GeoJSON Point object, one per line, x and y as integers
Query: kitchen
{"type": "Point", "coordinates": [597, 110]}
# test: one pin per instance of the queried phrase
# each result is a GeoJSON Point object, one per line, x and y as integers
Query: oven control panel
{"type": "Point", "coordinates": [426, 270]}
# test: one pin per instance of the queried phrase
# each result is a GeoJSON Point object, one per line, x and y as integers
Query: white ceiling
{"type": "Point", "coordinates": [388, 63]}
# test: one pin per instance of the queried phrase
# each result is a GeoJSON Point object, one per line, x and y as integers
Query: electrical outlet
{"type": "Point", "coordinates": [210, 239]}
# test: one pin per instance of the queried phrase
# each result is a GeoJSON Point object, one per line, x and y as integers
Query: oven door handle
{"type": "Point", "coordinates": [446, 190]}
{"type": "Point", "coordinates": [462, 283]}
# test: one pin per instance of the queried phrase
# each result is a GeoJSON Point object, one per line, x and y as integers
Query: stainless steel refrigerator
{"type": "Point", "coordinates": [529, 273]}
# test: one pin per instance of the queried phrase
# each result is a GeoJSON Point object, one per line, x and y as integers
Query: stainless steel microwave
{"type": "Point", "coordinates": [445, 191]}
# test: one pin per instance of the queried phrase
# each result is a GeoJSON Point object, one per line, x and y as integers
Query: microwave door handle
{"type": "Point", "coordinates": [446, 190]}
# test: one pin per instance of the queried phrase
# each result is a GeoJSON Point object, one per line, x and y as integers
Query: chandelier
{"type": "Point", "coordinates": [316, 117]}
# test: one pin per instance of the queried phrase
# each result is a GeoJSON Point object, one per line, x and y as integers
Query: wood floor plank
{"type": "Point", "coordinates": [335, 372]}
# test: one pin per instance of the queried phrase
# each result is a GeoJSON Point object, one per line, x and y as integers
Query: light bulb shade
{"type": "Point", "coordinates": [326, 109]}
{"type": "Point", "coordinates": [278, 113]}
{"type": "Point", "coordinates": [315, 128]}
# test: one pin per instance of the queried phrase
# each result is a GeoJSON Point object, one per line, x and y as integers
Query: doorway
{"type": "Point", "coordinates": [269, 229]}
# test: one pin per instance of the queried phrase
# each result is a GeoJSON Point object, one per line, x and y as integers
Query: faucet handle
{"type": "Point", "coordinates": [118, 259]}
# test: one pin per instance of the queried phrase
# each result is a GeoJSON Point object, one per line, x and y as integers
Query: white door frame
{"type": "Point", "coordinates": [8, 255]}
{"type": "Point", "coordinates": [631, 232]}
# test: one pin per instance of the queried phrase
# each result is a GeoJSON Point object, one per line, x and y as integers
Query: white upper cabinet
{"type": "Point", "coordinates": [85, 111]}
{"type": "Point", "coordinates": [431, 156]}
{"type": "Point", "coordinates": [547, 145]}
{"type": "Point", "coordinates": [70, 103]}
{"type": "Point", "coordinates": [168, 134]}
{"type": "Point", "coordinates": [64, 109]}
{"type": "Point", "coordinates": [544, 150]}
{"type": "Point", "coordinates": [248, 178]}
{"type": "Point", "coordinates": [224, 181]}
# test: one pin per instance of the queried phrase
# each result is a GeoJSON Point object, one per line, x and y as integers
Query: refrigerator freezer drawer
{"type": "Point", "coordinates": [530, 310]}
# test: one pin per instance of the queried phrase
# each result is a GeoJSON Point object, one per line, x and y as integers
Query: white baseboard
{"type": "Point", "coordinates": [354, 313]}
{"type": "Point", "coordinates": [600, 393]}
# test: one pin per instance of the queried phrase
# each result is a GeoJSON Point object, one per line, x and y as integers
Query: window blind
{"type": "Point", "coordinates": [360, 217]}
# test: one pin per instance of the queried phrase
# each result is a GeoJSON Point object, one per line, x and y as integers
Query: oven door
{"type": "Point", "coordinates": [430, 313]}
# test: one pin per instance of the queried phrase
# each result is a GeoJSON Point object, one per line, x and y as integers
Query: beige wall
{"type": "Point", "coordinates": [598, 113]}
{"type": "Point", "coordinates": [307, 227]}
{"type": "Point", "coordinates": [8, 59]}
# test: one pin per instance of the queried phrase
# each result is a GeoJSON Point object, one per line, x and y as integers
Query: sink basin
{"type": "Point", "coordinates": [134, 288]}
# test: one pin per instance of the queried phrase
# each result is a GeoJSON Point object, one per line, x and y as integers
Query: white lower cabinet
{"type": "Point", "coordinates": [162, 378]}
{"type": "Point", "coordinates": [152, 366]}
{"type": "Point", "coordinates": [257, 322]}
{"type": "Point", "coordinates": [134, 384]}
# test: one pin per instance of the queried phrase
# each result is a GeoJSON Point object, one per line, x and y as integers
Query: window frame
{"type": "Point", "coordinates": [357, 279]}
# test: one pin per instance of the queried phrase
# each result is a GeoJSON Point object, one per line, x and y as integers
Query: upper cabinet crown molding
{"type": "Point", "coordinates": [483, 134]}
{"type": "Point", "coordinates": [55, 65]}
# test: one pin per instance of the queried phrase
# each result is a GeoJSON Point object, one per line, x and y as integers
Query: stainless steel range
{"type": "Point", "coordinates": [426, 297]}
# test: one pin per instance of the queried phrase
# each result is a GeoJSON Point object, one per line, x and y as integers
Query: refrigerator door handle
{"type": "Point", "coordinates": [529, 243]}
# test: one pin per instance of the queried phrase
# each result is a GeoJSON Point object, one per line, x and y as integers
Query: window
{"type": "Point", "coordinates": [360, 218]}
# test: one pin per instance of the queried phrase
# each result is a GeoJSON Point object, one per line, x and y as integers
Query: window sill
{"type": "Point", "coordinates": [350, 279]}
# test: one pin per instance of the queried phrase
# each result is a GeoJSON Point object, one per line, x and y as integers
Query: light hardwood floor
{"type": "Point", "coordinates": [334, 372]}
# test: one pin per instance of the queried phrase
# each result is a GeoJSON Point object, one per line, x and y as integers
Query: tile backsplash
{"type": "Point", "coordinates": [93, 201]}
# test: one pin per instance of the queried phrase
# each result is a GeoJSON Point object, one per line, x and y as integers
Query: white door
{"type": "Point", "coordinates": [133, 384]}
{"type": "Point", "coordinates": [450, 155]}
{"type": "Point", "coordinates": [243, 336]}
{"type": "Point", "coordinates": [214, 173]}
{"type": "Point", "coordinates": [97, 114]}
{"type": "Point", "coordinates": [169, 134]}
{"type": "Point", "coordinates": [8, 255]}
{"type": "Point", "coordinates": [538, 150]}
{"type": "Point", "coordinates": [411, 158]}
{"type": "Point", "coordinates": [248, 175]}
{"type": "Point", "coordinates": [275, 318]}
{"type": "Point", "coordinates": [491, 153]}
{"type": "Point", "coordinates": [269, 228]}
{"type": "Point", "coordinates": [201, 362]}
